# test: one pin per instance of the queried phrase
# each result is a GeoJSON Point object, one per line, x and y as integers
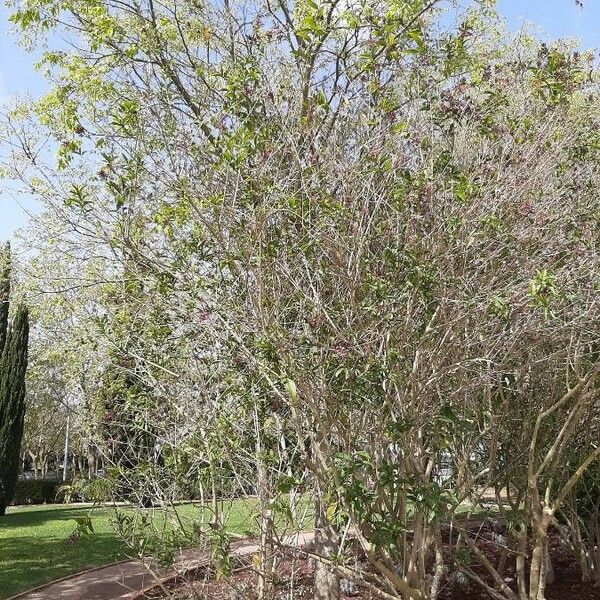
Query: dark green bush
{"type": "Point", "coordinates": [36, 491]}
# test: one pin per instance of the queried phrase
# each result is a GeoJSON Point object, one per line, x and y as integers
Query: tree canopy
{"type": "Point", "coordinates": [344, 252]}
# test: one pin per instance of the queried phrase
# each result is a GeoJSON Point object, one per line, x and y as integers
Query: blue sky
{"type": "Point", "coordinates": [557, 18]}
{"type": "Point", "coordinates": [17, 76]}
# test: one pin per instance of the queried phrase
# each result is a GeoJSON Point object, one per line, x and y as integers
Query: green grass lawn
{"type": "Point", "coordinates": [35, 546]}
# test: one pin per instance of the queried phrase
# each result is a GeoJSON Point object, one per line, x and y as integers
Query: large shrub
{"type": "Point", "coordinates": [345, 247]}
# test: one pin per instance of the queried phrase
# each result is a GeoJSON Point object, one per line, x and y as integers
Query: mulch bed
{"type": "Point", "coordinates": [294, 578]}
{"type": "Point", "coordinates": [567, 584]}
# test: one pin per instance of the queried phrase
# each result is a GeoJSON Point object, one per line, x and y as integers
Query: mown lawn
{"type": "Point", "coordinates": [35, 544]}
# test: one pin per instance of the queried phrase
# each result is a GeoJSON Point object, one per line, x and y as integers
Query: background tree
{"type": "Point", "coordinates": [4, 293]}
{"type": "Point", "coordinates": [12, 404]}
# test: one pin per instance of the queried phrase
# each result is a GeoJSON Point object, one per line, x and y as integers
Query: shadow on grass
{"type": "Point", "coordinates": [35, 518]}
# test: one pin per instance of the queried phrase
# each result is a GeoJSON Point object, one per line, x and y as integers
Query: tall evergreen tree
{"type": "Point", "coordinates": [4, 293]}
{"type": "Point", "coordinates": [12, 403]}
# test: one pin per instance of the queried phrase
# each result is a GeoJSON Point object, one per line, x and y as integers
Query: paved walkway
{"type": "Point", "coordinates": [126, 580]}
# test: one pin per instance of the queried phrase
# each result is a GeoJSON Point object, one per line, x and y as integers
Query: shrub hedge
{"type": "Point", "coordinates": [36, 491]}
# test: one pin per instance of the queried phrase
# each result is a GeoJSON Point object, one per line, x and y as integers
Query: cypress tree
{"type": "Point", "coordinates": [12, 404]}
{"type": "Point", "coordinates": [4, 293]}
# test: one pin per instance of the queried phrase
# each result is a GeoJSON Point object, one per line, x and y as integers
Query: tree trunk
{"type": "Point", "coordinates": [327, 583]}
{"type": "Point", "coordinates": [439, 570]}
{"type": "Point", "coordinates": [266, 551]}
{"type": "Point", "coordinates": [539, 562]}
{"type": "Point", "coordinates": [265, 571]}
{"type": "Point", "coordinates": [520, 562]}
{"type": "Point", "coordinates": [91, 458]}
{"type": "Point", "coordinates": [34, 463]}
{"type": "Point", "coordinates": [215, 496]}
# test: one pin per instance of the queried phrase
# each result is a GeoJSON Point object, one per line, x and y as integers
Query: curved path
{"type": "Point", "coordinates": [125, 580]}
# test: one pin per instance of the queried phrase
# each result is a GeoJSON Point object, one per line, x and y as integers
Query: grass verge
{"type": "Point", "coordinates": [37, 545]}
